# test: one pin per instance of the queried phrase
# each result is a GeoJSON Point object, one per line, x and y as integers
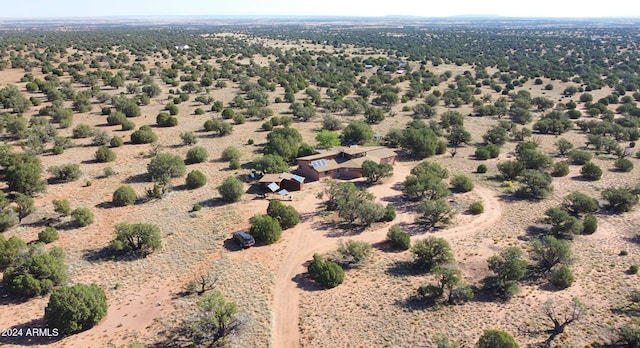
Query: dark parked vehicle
{"type": "Point", "coordinates": [245, 239]}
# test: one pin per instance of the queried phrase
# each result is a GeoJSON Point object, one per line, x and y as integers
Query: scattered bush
{"type": "Point", "coordinates": [496, 339]}
{"type": "Point", "coordinates": [188, 138]}
{"type": "Point", "coordinates": [66, 172]}
{"type": "Point", "coordinates": [389, 213]}
{"type": "Point", "coordinates": [354, 252]}
{"type": "Point", "coordinates": [127, 125]}
{"type": "Point", "coordinates": [116, 142]}
{"type": "Point", "coordinates": [286, 215]}
{"type": "Point", "coordinates": [623, 165]}
{"type": "Point", "coordinates": [76, 308]}
{"type": "Point", "coordinates": [166, 165]}
{"type": "Point", "coordinates": [589, 224]}
{"type": "Point", "coordinates": [326, 273]}
{"type": "Point", "coordinates": [165, 120]}
{"type": "Point", "coordinates": [105, 154]}
{"type": "Point", "coordinates": [48, 235]}
{"type": "Point", "coordinates": [633, 269]}
{"type": "Point", "coordinates": [579, 157]}
{"type": "Point", "coordinates": [230, 153]}
{"type": "Point", "coordinates": [231, 189]}
{"type": "Point", "coordinates": [265, 229]}
{"type": "Point", "coordinates": [123, 196]}
{"type": "Point", "coordinates": [591, 172]}
{"type": "Point", "coordinates": [481, 169]}
{"type": "Point", "coordinates": [619, 199]}
{"type": "Point", "coordinates": [431, 252]}
{"type": "Point", "coordinates": [462, 183]}
{"type": "Point", "coordinates": [82, 217]}
{"type": "Point", "coordinates": [138, 238]}
{"type": "Point", "coordinates": [195, 179]}
{"type": "Point", "coordinates": [398, 238]}
{"type": "Point", "coordinates": [197, 154]}
{"type": "Point", "coordinates": [143, 136]}
{"type": "Point", "coordinates": [82, 131]}
{"type": "Point", "coordinates": [562, 276]}
{"type": "Point", "coordinates": [234, 164]}
{"type": "Point", "coordinates": [560, 169]}
{"type": "Point", "coordinates": [476, 208]}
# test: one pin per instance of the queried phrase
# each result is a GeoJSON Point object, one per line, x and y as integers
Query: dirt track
{"type": "Point", "coordinates": [304, 241]}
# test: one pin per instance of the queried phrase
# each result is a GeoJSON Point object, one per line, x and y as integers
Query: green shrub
{"type": "Point", "coordinates": [239, 118]}
{"type": "Point", "coordinates": [562, 277]}
{"type": "Point", "coordinates": [389, 213]}
{"type": "Point", "coordinates": [633, 269]}
{"type": "Point", "coordinates": [286, 215]}
{"type": "Point", "coordinates": [481, 169]}
{"type": "Point", "coordinates": [398, 238]}
{"type": "Point", "coordinates": [196, 207]}
{"type": "Point", "coordinates": [462, 183]}
{"type": "Point", "coordinates": [591, 172]}
{"type": "Point", "coordinates": [265, 229]}
{"type": "Point", "coordinates": [230, 153]}
{"type": "Point", "coordinates": [195, 179]}
{"type": "Point", "coordinates": [197, 154]}
{"type": "Point", "coordinates": [482, 153]}
{"type": "Point", "coordinates": [82, 217]}
{"type": "Point", "coordinates": [82, 131]}
{"type": "Point", "coordinates": [326, 273]}
{"type": "Point", "coordinates": [560, 169]}
{"type": "Point", "coordinates": [105, 154]}
{"type": "Point", "coordinates": [579, 157]}
{"type": "Point", "coordinates": [138, 238]}
{"type": "Point", "coordinates": [165, 120]}
{"type": "Point", "coordinates": [76, 308]}
{"type": "Point", "coordinates": [116, 118]}
{"type": "Point", "coordinates": [199, 111]}
{"type": "Point", "coordinates": [188, 138]}
{"type": "Point", "coordinates": [231, 189]}
{"type": "Point", "coordinates": [623, 165]}
{"type": "Point", "coordinates": [234, 164]}
{"type": "Point", "coordinates": [250, 142]}
{"type": "Point", "coordinates": [66, 172]}
{"type": "Point", "coordinates": [589, 224]}
{"type": "Point", "coordinates": [127, 125]}
{"type": "Point", "coordinates": [58, 150]}
{"type": "Point", "coordinates": [354, 252]}
{"type": "Point", "coordinates": [116, 142]}
{"type": "Point", "coordinates": [143, 136]}
{"type": "Point", "coordinates": [123, 196]}
{"type": "Point", "coordinates": [476, 208]}
{"type": "Point", "coordinates": [496, 339]}
{"type": "Point", "coordinates": [48, 235]}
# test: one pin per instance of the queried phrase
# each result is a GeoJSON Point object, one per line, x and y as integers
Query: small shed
{"type": "Point", "coordinates": [287, 181]}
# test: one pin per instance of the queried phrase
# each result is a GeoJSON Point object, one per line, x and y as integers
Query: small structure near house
{"type": "Point", "coordinates": [281, 181]}
{"type": "Point", "coordinates": [182, 47]}
{"type": "Point", "coordinates": [343, 162]}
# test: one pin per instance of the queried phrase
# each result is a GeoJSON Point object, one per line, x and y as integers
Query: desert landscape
{"type": "Point", "coordinates": [131, 154]}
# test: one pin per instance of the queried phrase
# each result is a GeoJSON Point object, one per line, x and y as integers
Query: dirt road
{"type": "Point", "coordinates": [304, 241]}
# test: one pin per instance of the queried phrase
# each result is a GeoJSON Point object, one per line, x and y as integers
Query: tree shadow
{"type": "Point", "coordinates": [304, 282]}
{"type": "Point", "coordinates": [403, 268]}
{"type": "Point", "coordinates": [107, 254]}
{"type": "Point", "coordinates": [385, 246]}
{"type": "Point", "coordinates": [536, 231]}
{"type": "Point", "coordinates": [104, 205]}
{"type": "Point", "coordinates": [89, 161]}
{"type": "Point", "coordinates": [415, 303]}
{"type": "Point", "coordinates": [7, 298]}
{"type": "Point", "coordinates": [339, 230]}
{"type": "Point", "coordinates": [137, 178]}
{"type": "Point", "coordinates": [213, 202]}
{"type": "Point", "coordinates": [29, 338]}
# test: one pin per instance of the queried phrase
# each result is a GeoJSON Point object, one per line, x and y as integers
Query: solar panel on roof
{"type": "Point", "coordinates": [319, 163]}
{"type": "Point", "coordinates": [297, 178]}
{"type": "Point", "coordinates": [273, 187]}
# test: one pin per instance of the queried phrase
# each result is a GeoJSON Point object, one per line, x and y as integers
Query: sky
{"type": "Point", "coordinates": [426, 8]}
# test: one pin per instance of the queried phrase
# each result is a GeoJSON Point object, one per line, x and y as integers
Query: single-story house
{"type": "Point", "coordinates": [275, 182]}
{"type": "Point", "coordinates": [343, 162]}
